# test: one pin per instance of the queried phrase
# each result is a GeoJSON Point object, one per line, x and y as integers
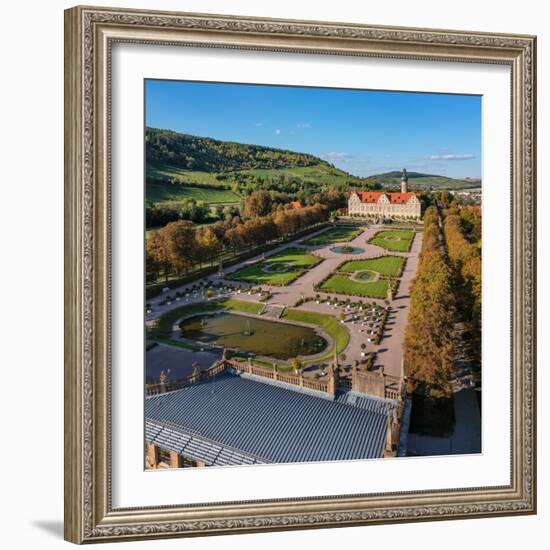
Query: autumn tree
{"type": "Point", "coordinates": [257, 204]}
{"type": "Point", "coordinates": [429, 335]}
{"type": "Point", "coordinates": [209, 243]}
{"type": "Point", "coordinates": [156, 256]}
{"type": "Point", "coordinates": [180, 245]}
{"type": "Point", "coordinates": [429, 339]}
{"type": "Point", "coordinates": [465, 259]}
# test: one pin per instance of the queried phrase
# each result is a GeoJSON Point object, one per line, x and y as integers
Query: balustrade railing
{"type": "Point", "coordinates": [392, 388]}
{"type": "Point", "coordinates": [286, 377]}
{"type": "Point", "coordinates": [172, 385]}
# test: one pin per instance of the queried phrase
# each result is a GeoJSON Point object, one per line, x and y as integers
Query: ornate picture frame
{"type": "Point", "coordinates": [89, 36]}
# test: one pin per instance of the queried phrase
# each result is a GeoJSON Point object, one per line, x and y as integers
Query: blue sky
{"type": "Point", "coordinates": [363, 132]}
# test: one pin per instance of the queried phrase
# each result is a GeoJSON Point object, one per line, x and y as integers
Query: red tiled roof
{"type": "Point", "coordinates": [369, 196]}
{"type": "Point", "coordinates": [400, 198]}
{"type": "Point", "coordinates": [296, 204]}
{"type": "Point", "coordinates": [394, 198]}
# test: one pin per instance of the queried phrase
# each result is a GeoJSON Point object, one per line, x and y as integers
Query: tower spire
{"type": "Point", "coordinates": [404, 182]}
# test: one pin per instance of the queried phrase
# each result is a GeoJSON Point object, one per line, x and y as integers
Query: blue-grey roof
{"type": "Point", "coordinates": [195, 447]}
{"type": "Point", "coordinates": [239, 420]}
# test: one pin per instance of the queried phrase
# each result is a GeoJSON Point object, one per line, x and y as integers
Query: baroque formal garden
{"type": "Point", "coordinates": [329, 297]}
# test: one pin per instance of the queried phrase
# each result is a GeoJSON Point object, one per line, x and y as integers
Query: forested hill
{"type": "Point", "coordinates": [166, 147]}
{"type": "Point", "coordinates": [423, 182]}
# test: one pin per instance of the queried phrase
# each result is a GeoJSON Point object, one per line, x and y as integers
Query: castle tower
{"type": "Point", "coordinates": [404, 182]}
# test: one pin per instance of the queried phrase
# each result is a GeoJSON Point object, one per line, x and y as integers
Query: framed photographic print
{"type": "Point", "coordinates": [300, 281]}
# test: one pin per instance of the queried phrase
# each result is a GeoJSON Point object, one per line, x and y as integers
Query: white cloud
{"type": "Point", "coordinates": [277, 131]}
{"type": "Point", "coordinates": [334, 155]}
{"type": "Point", "coordinates": [303, 125]}
{"type": "Point", "coordinates": [452, 157]}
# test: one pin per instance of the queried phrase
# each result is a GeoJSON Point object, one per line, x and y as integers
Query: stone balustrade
{"type": "Point", "coordinates": [375, 383]}
{"type": "Point", "coordinates": [286, 377]}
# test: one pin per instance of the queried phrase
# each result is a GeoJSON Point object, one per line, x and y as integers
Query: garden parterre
{"type": "Point", "coordinates": [395, 241]}
{"type": "Point", "coordinates": [279, 270]}
{"type": "Point", "coordinates": [336, 235]}
{"type": "Point", "coordinates": [344, 280]}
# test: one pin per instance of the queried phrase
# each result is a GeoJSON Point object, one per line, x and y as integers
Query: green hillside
{"type": "Point", "coordinates": [314, 174]}
{"type": "Point", "coordinates": [421, 182]}
{"type": "Point", "coordinates": [182, 166]}
{"type": "Point", "coordinates": [163, 193]}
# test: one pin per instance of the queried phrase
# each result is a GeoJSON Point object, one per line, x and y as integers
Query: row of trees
{"type": "Point", "coordinates": [262, 202]}
{"type": "Point", "coordinates": [256, 204]}
{"type": "Point", "coordinates": [158, 215]}
{"type": "Point", "coordinates": [462, 229]}
{"type": "Point", "coordinates": [180, 246]}
{"type": "Point", "coordinates": [429, 335]}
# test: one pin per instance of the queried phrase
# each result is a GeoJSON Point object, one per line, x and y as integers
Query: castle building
{"type": "Point", "coordinates": [386, 205]}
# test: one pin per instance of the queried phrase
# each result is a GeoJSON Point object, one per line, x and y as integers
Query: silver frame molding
{"type": "Point", "coordinates": [89, 35]}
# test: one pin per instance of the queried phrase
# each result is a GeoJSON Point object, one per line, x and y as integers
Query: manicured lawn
{"type": "Point", "coordinates": [163, 327]}
{"type": "Point", "coordinates": [294, 256]}
{"type": "Point", "coordinates": [390, 266]}
{"type": "Point", "coordinates": [396, 241]}
{"type": "Point", "coordinates": [343, 284]}
{"type": "Point", "coordinates": [255, 274]}
{"type": "Point", "coordinates": [336, 235]}
{"type": "Point", "coordinates": [245, 306]}
{"type": "Point", "coordinates": [293, 263]}
{"type": "Point", "coordinates": [329, 323]}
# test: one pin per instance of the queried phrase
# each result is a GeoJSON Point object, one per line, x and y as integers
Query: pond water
{"type": "Point", "coordinates": [343, 249]}
{"type": "Point", "coordinates": [258, 336]}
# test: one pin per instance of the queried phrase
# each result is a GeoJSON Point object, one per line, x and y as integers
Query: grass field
{"type": "Point", "coordinates": [330, 325]}
{"type": "Point", "coordinates": [396, 241]}
{"type": "Point", "coordinates": [181, 175]}
{"type": "Point", "coordinates": [293, 261]}
{"type": "Point", "coordinates": [162, 194]}
{"type": "Point", "coordinates": [390, 266]}
{"type": "Point", "coordinates": [315, 173]}
{"type": "Point", "coordinates": [336, 235]}
{"type": "Point", "coordinates": [343, 284]}
{"type": "Point", "coordinates": [162, 330]}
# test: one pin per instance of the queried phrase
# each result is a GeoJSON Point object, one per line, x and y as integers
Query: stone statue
{"type": "Point", "coordinates": [163, 378]}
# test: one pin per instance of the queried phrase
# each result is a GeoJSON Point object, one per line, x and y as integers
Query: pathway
{"type": "Point", "coordinates": [390, 351]}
